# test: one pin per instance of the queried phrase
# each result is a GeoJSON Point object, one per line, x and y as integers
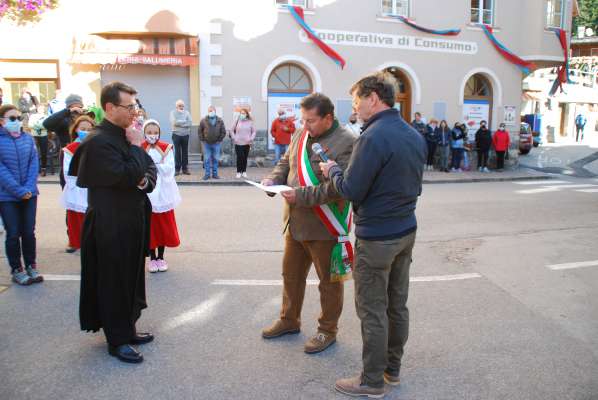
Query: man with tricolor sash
{"type": "Point", "coordinates": [317, 223]}
{"type": "Point", "coordinates": [383, 181]}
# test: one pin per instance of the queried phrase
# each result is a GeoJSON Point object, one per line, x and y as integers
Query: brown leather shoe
{"type": "Point", "coordinates": [392, 380]}
{"type": "Point", "coordinates": [319, 342]}
{"type": "Point", "coordinates": [354, 387]}
{"type": "Point", "coordinates": [280, 328]}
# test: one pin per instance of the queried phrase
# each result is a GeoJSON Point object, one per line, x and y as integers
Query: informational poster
{"type": "Point", "coordinates": [510, 116]}
{"type": "Point", "coordinates": [475, 111]}
{"type": "Point", "coordinates": [290, 103]}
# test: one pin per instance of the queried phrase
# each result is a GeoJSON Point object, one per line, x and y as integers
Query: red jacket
{"type": "Point", "coordinates": [281, 131]}
{"type": "Point", "coordinates": [501, 140]}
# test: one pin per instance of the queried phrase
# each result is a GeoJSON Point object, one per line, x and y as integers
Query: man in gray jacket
{"type": "Point", "coordinates": [384, 181]}
{"type": "Point", "coordinates": [211, 134]}
{"type": "Point", "coordinates": [180, 121]}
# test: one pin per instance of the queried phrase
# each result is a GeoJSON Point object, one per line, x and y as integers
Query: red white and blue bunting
{"type": "Point", "coordinates": [525, 66]}
{"type": "Point", "coordinates": [563, 70]}
{"type": "Point", "coordinates": [442, 32]}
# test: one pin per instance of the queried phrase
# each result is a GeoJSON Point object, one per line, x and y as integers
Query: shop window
{"type": "Point", "coordinates": [395, 7]}
{"type": "Point", "coordinates": [300, 3]}
{"type": "Point", "coordinates": [554, 13]}
{"type": "Point", "coordinates": [482, 12]}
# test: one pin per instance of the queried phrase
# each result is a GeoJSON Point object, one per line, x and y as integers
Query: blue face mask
{"type": "Point", "coordinates": [81, 135]}
{"type": "Point", "coordinates": [13, 126]}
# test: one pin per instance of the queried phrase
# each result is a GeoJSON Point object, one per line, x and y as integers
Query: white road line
{"type": "Point", "coordinates": [539, 182]}
{"type": "Point", "coordinates": [554, 188]}
{"type": "Point", "coordinates": [313, 282]}
{"type": "Point", "coordinates": [587, 190]}
{"type": "Point", "coordinates": [51, 277]}
{"type": "Point", "coordinates": [581, 264]}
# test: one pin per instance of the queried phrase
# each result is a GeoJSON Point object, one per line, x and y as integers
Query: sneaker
{"type": "Point", "coordinates": [153, 266]}
{"type": "Point", "coordinates": [186, 172]}
{"type": "Point", "coordinates": [319, 342]}
{"type": "Point", "coordinates": [459, 170]}
{"type": "Point", "coordinates": [355, 387]}
{"type": "Point", "coordinates": [486, 169]}
{"type": "Point", "coordinates": [162, 265]}
{"type": "Point", "coordinates": [35, 276]}
{"type": "Point", "coordinates": [216, 177]}
{"type": "Point", "coordinates": [244, 174]}
{"type": "Point", "coordinates": [453, 170]}
{"type": "Point", "coordinates": [238, 175]}
{"type": "Point", "coordinates": [279, 328]}
{"type": "Point", "coordinates": [20, 277]}
{"type": "Point", "coordinates": [391, 379]}
{"type": "Point", "coordinates": [206, 177]}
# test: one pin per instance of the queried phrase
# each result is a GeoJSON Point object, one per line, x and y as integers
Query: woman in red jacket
{"type": "Point", "coordinates": [501, 141]}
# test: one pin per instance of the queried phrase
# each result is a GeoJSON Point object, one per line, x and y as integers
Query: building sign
{"type": "Point", "coordinates": [385, 40]}
{"type": "Point", "coordinates": [474, 112]}
{"type": "Point", "coordinates": [510, 117]}
{"type": "Point", "coordinates": [156, 59]}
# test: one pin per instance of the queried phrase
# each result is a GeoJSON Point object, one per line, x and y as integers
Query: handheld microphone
{"type": "Point", "coordinates": [317, 148]}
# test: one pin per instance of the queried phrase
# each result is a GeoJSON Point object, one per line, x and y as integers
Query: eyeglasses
{"type": "Point", "coordinates": [130, 107]}
{"type": "Point", "coordinates": [13, 118]}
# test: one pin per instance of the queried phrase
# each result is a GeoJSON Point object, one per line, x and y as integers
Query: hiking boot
{"type": "Point", "coordinates": [35, 276]}
{"type": "Point", "coordinates": [279, 328]}
{"type": "Point", "coordinates": [355, 387]}
{"type": "Point", "coordinates": [20, 277]}
{"type": "Point", "coordinates": [391, 379]}
{"type": "Point", "coordinates": [319, 342]}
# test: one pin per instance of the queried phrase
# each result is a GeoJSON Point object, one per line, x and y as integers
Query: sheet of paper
{"type": "Point", "coordinates": [270, 189]}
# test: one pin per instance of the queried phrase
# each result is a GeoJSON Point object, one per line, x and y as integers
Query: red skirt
{"type": "Point", "coordinates": [164, 231]}
{"type": "Point", "coordinates": [74, 222]}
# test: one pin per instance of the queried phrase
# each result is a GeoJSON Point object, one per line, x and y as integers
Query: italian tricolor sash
{"type": "Point", "coordinates": [338, 222]}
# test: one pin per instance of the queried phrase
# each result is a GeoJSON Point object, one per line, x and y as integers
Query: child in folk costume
{"type": "Point", "coordinates": [74, 198]}
{"type": "Point", "coordinates": [164, 198]}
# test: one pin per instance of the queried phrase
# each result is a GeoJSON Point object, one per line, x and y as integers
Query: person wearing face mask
{"type": "Point", "coordinates": [483, 142]}
{"type": "Point", "coordinates": [354, 125]}
{"type": "Point", "coordinates": [243, 134]}
{"type": "Point", "coordinates": [211, 133]}
{"type": "Point", "coordinates": [444, 141]}
{"type": "Point", "coordinates": [431, 137]}
{"type": "Point", "coordinates": [501, 142]}
{"type": "Point", "coordinates": [180, 121]}
{"type": "Point", "coordinates": [165, 197]}
{"type": "Point", "coordinates": [74, 198]}
{"type": "Point", "coordinates": [19, 167]}
{"type": "Point", "coordinates": [281, 130]}
{"type": "Point", "coordinates": [61, 121]}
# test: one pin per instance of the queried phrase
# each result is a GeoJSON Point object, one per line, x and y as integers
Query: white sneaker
{"type": "Point", "coordinates": [486, 169]}
{"type": "Point", "coordinates": [244, 174]}
{"type": "Point", "coordinates": [162, 265]}
{"type": "Point", "coordinates": [152, 266]}
{"type": "Point", "coordinates": [238, 175]}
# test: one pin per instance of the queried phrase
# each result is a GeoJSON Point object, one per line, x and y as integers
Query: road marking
{"type": "Point", "coordinates": [313, 282]}
{"type": "Point", "coordinates": [200, 313]}
{"type": "Point", "coordinates": [581, 264]}
{"type": "Point", "coordinates": [553, 188]}
{"type": "Point", "coordinates": [587, 190]}
{"type": "Point", "coordinates": [50, 277]}
{"type": "Point", "coordinates": [539, 182]}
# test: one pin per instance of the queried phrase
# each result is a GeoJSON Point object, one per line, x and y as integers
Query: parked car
{"type": "Point", "coordinates": [526, 138]}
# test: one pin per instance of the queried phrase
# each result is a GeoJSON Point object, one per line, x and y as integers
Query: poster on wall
{"type": "Point", "coordinates": [475, 111]}
{"type": "Point", "coordinates": [290, 103]}
{"type": "Point", "coordinates": [510, 116]}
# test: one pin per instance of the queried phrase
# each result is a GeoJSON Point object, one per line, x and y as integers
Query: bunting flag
{"type": "Point", "coordinates": [297, 13]}
{"type": "Point", "coordinates": [443, 32]}
{"type": "Point", "coordinates": [525, 66]}
{"type": "Point", "coordinates": [563, 70]}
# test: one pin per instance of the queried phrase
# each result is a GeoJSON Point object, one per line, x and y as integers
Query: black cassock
{"type": "Point", "coordinates": [115, 234]}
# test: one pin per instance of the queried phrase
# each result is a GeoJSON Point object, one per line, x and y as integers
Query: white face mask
{"type": "Point", "coordinates": [151, 139]}
{"type": "Point", "coordinates": [212, 114]}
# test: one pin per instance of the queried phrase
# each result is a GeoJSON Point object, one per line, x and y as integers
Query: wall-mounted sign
{"type": "Point", "coordinates": [510, 115]}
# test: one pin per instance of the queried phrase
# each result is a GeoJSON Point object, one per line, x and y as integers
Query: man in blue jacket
{"type": "Point", "coordinates": [384, 181]}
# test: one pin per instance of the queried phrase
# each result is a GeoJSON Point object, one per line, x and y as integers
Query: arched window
{"type": "Point", "coordinates": [289, 78]}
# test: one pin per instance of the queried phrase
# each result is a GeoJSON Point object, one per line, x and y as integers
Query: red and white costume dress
{"type": "Point", "coordinates": [74, 198]}
{"type": "Point", "coordinates": [164, 198]}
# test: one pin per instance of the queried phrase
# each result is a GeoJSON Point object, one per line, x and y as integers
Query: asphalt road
{"type": "Point", "coordinates": [512, 328]}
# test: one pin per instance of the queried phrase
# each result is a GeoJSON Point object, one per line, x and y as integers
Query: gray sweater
{"type": "Point", "coordinates": [181, 122]}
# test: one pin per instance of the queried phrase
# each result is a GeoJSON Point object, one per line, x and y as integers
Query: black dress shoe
{"type": "Point", "coordinates": [142, 338]}
{"type": "Point", "coordinates": [125, 353]}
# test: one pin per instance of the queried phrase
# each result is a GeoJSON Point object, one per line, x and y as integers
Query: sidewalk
{"type": "Point", "coordinates": [227, 175]}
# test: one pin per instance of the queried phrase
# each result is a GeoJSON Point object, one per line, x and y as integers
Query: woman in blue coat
{"type": "Point", "coordinates": [19, 167]}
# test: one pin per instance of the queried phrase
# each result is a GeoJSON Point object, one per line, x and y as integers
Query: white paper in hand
{"type": "Point", "coordinates": [270, 189]}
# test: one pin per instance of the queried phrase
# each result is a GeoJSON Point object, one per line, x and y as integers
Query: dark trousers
{"type": "Point", "coordinates": [381, 277]}
{"type": "Point", "coordinates": [19, 223]}
{"type": "Point", "coordinates": [242, 154]}
{"type": "Point", "coordinates": [578, 128]}
{"type": "Point", "coordinates": [42, 144]}
{"type": "Point", "coordinates": [457, 157]}
{"type": "Point", "coordinates": [181, 152]}
{"type": "Point", "coordinates": [483, 158]}
{"type": "Point", "coordinates": [500, 159]}
{"type": "Point", "coordinates": [431, 152]}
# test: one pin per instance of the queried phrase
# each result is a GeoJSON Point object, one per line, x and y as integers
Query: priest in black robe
{"type": "Point", "coordinates": [115, 237]}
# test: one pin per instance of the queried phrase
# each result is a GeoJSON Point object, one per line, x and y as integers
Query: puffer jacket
{"type": "Point", "coordinates": [19, 166]}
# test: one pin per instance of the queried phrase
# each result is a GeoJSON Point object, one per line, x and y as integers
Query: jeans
{"type": "Point", "coordinates": [444, 157]}
{"type": "Point", "coordinates": [181, 152]}
{"type": "Point", "coordinates": [42, 143]}
{"type": "Point", "coordinates": [381, 277]}
{"type": "Point", "coordinates": [457, 158]}
{"type": "Point", "coordinates": [242, 154]}
{"type": "Point", "coordinates": [19, 223]}
{"type": "Point", "coordinates": [211, 155]}
{"type": "Point", "coordinates": [279, 150]}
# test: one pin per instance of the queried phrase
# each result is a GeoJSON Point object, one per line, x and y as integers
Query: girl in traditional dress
{"type": "Point", "coordinates": [74, 198]}
{"type": "Point", "coordinates": [164, 198]}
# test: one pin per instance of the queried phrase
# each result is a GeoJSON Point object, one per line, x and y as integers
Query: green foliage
{"type": "Point", "coordinates": [588, 10]}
